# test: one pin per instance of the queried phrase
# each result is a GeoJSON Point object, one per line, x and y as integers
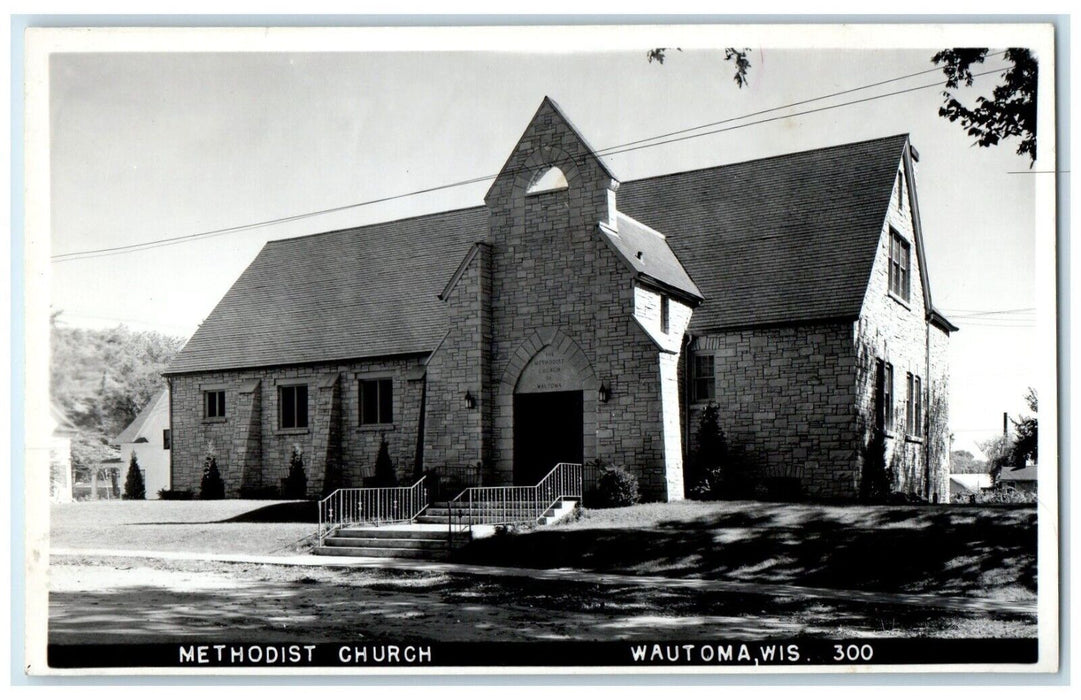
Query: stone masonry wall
{"type": "Point", "coordinates": [455, 435]}
{"type": "Point", "coordinates": [895, 331]}
{"type": "Point", "coordinates": [938, 415]}
{"type": "Point", "coordinates": [786, 398]}
{"type": "Point", "coordinates": [230, 439]}
{"type": "Point", "coordinates": [551, 271]}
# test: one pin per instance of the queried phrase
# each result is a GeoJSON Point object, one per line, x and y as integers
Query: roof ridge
{"type": "Point", "coordinates": [766, 158]}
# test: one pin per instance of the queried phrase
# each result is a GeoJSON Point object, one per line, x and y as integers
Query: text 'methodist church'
{"type": "Point", "coordinates": [573, 317]}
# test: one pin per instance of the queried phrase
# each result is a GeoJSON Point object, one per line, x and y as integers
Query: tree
{"type": "Point", "coordinates": [1026, 445]}
{"type": "Point", "coordinates": [1011, 109]}
{"type": "Point", "coordinates": [134, 488]}
{"type": "Point", "coordinates": [964, 462]}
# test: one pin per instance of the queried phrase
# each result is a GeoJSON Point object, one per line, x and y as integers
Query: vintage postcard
{"type": "Point", "coordinates": [584, 349]}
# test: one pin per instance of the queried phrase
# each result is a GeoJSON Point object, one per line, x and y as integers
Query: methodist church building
{"type": "Point", "coordinates": [574, 317]}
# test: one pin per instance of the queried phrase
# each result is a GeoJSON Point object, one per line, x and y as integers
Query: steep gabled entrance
{"type": "Point", "coordinates": [548, 429]}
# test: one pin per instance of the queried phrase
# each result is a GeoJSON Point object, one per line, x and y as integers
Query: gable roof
{"type": "Point", "coordinates": [1026, 473]}
{"type": "Point", "coordinates": [157, 406]}
{"type": "Point", "coordinates": [785, 239]}
{"type": "Point", "coordinates": [647, 253]}
{"type": "Point", "coordinates": [777, 240]}
{"type": "Point", "coordinates": [363, 292]}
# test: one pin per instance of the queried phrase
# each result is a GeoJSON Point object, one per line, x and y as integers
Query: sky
{"type": "Point", "coordinates": [148, 146]}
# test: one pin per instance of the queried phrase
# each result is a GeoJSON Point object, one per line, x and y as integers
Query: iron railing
{"type": "Point", "coordinates": [504, 505]}
{"type": "Point", "coordinates": [375, 506]}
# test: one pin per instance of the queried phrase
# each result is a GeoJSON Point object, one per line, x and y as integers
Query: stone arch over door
{"type": "Point", "coordinates": [547, 361]}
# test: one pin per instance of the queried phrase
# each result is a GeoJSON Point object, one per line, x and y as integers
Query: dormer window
{"type": "Point", "coordinates": [548, 179]}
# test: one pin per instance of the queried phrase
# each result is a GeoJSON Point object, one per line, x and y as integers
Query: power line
{"type": "Point", "coordinates": [791, 104]}
{"type": "Point", "coordinates": [609, 151]}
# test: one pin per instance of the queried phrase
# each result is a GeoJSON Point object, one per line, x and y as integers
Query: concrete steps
{"type": "Point", "coordinates": [428, 536]}
{"type": "Point", "coordinates": [405, 541]}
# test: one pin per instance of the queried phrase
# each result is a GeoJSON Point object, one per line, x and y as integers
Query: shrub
{"type": "Point", "coordinates": [617, 487]}
{"type": "Point", "coordinates": [295, 485]}
{"type": "Point", "coordinates": [170, 495]}
{"type": "Point", "coordinates": [876, 478]}
{"type": "Point", "coordinates": [708, 464]}
{"type": "Point", "coordinates": [212, 487]}
{"type": "Point", "coordinates": [1005, 494]}
{"type": "Point", "coordinates": [384, 469]}
{"type": "Point", "coordinates": [134, 488]}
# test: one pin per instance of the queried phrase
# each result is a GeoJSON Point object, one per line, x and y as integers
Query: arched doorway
{"type": "Point", "coordinates": [548, 413]}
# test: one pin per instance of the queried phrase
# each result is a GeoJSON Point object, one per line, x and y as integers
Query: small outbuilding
{"type": "Point", "coordinates": [149, 438]}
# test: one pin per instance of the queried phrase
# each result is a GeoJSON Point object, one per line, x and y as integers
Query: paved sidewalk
{"type": "Point", "coordinates": [927, 600]}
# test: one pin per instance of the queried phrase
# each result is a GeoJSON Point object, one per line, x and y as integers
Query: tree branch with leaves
{"type": "Point", "coordinates": [1010, 112]}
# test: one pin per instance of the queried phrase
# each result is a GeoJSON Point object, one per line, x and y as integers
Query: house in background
{"type": "Point", "coordinates": [60, 466]}
{"type": "Point", "coordinates": [149, 438]}
{"type": "Point", "coordinates": [1022, 479]}
{"type": "Point", "coordinates": [575, 317]}
{"type": "Point", "coordinates": [966, 487]}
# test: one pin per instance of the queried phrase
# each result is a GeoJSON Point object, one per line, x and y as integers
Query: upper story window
{"type": "Point", "coordinates": [665, 311]}
{"type": "Point", "coordinates": [166, 439]}
{"type": "Point", "coordinates": [703, 385]}
{"type": "Point", "coordinates": [376, 401]}
{"type": "Point", "coordinates": [883, 395]}
{"type": "Point", "coordinates": [293, 406]}
{"type": "Point", "coordinates": [214, 404]}
{"type": "Point", "coordinates": [547, 180]}
{"type": "Point", "coordinates": [900, 265]}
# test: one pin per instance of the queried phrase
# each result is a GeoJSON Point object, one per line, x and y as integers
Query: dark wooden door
{"type": "Point", "coordinates": [547, 430]}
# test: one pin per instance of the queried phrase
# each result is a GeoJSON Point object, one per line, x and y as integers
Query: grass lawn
{"type": "Point", "coordinates": [952, 550]}
{"type": "Point", "coordinates": [982, 551]}
{"type": "Point", "coordinates": [219, 527]}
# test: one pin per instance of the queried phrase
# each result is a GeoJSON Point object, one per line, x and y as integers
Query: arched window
{"type": "Point", "coordinates": [547, 180]}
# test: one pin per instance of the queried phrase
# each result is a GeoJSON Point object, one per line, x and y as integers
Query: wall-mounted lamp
{"type": "Point", "coordinates": [470, 400]}
{"type": "Point", "coordinates": [603, 393]}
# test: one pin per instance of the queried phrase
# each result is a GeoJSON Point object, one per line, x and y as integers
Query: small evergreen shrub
{"type": "Point", "coordinates": [134, 488]}
{"type": "Point", "coordinates": [384, 468]}
{"type": "Point", "coordinates": [616, 488]}
{"type": "Point", "coordinates": [876, 477]}
{"type": "Point", "coordinates": [171, 495]}
{"type": "Point", "coordinates": [295, 486]}
{"type": "Point", "coordinates": [211, 488]}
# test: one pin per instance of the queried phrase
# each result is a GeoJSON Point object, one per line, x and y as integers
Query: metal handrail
{"type": "Point", "coordinates": [501, 505]}
{"type": "Point", "coordinates": [377, 506]}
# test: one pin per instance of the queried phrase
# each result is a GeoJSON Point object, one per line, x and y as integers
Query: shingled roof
{"type": "Point", "coordinates": [363, 292]}
{"type": "Point", "coordinates": [777, 240]}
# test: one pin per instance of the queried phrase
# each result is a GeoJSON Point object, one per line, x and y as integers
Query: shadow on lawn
{"type": "Point", "coordinates": [902, 549]}
{"type": "Point", "coordinates": [284, 512]}
{"type": "Point", "coordinates": [414, 609]}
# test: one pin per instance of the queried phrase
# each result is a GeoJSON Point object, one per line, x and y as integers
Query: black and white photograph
{"type": "Point", "coordinates": [617, 349]}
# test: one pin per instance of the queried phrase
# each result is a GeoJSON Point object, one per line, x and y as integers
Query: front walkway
{"type": "Point", "coordinates": [925, 600]}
